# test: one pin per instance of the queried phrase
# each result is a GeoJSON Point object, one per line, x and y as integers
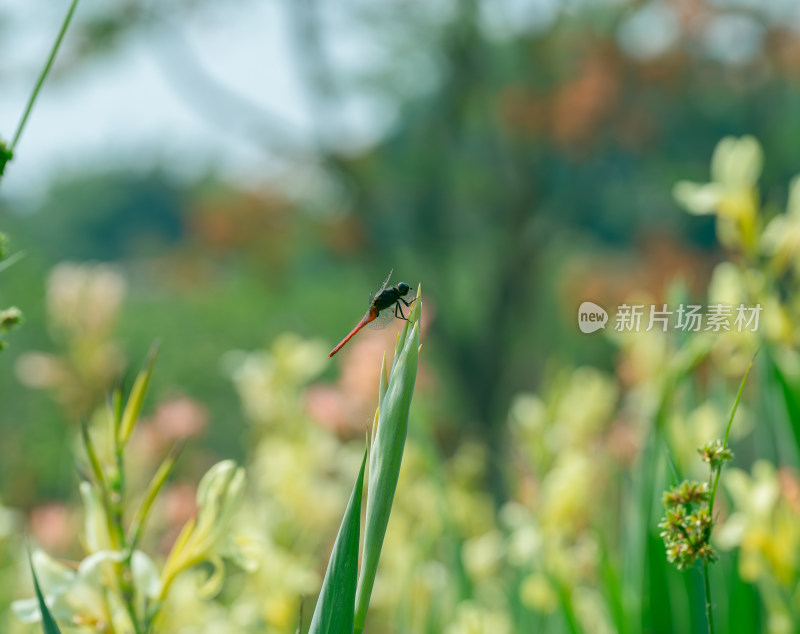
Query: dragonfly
{"type": "Point", "coordinates": [380, 313]}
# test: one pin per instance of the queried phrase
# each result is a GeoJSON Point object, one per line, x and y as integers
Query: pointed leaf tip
{"type": "Point", "coordinates": [136, 398]}
{"type": "Point", "coordinates": [49, 625]}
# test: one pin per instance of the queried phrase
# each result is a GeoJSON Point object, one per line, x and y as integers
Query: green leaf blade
{"type": "Point", "coordinates": [136, 399]}
{"type": "Point", "coordinates": [49, 625]}
{"type": "Point", "coordinates": [386, 457]}
{"type": "Point", "coordinates": [335, 609]}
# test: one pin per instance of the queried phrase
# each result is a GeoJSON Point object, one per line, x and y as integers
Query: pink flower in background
{"type": "Point", "coordinates": [348, 406]}
{"type": "Point", "coordinates": [179, 506]}
{"type": "Point", "coordinates": [176, 418]}
{"type": "Point", "coordinates": [180, 417]}
{"type": "Point", "coordinates": [54, 527]}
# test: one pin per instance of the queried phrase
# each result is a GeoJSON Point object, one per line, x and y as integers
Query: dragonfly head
{"type": "Point", "coordinates": [403, 288]}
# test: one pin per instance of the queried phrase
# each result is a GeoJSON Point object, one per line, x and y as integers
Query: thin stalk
{"type": "Point", "coordinates": [153, 489]}
{"type": "Point", "coordinates": [118, 496]}
{"type": "Point", "coordinates": [94, 462]}
{"type": "Point", "coordinates": [100, 478]}
{"type": "Point", "coordinates": [11, 260]}
{"type": "Point", "coordinates": [716, 474]}
{"type": "Point", "coordinates": [727, 434]}
{"type": "Point", "coordinates": [709, 611]}
{"type": "Point", "coordinates": [123, 569]}
{"type": "Point", "coordinates": [43, 76]}
{"type": "Point", "coordinates": [132, 612]}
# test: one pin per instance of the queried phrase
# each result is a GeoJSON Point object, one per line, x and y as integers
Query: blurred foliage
{"type": "Point", "coordinates": [529, 166]}
{"type": "Point", "coordinates": [520, 136]}
{"type": "Point", "coordinates": [9, 317]}
{"type": "Point", "coordinates": [5, 156]}
{"type": "Point", "coordinates": [117, 216]}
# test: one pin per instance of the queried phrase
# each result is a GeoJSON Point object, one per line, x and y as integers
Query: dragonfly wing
{"type": "Point", "coordinates": [382, 288]}
{"type": "Point", "coordinates": [384, 318]}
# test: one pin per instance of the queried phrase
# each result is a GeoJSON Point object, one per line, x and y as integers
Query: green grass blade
{"type": "Point", "coordinates": [136, 399]}
{"type": "Point", "coordinates": [382, 387]}
{"type": "Point", "coordinates": [384, 382]}
{"type": "Point", "coordinates": [386, 457]}
{"type": "Point", "coordinates": [91, 454]}
{"type": "Point", "coordinates": [153, 489]}
{"type": "Point", "coordinates": [336, 604]}
{"type": "Point", "coordinates": [49, 625]}
{"type": "Point", "coordinates": [42, 77]}
{"type": "Point", "coordinates": [11, 260]}
{"type": "Point", "coordinates": [728, 433]}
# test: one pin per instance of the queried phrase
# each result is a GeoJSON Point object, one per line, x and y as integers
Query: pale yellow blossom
{"type": "Point", "coordinates": [89, 597]}
{"type": "Point", "coordinates": [538, 593]}
{"type": "Point", "coordinates": [472, 618]}
{"type": "Point", "coordinates": [764, 527]}
{"type": "Point", "coordinates": [780, 239]}
{"type": "Point", "coordinates": [207, 537]}
{"type": "Point", "coordinates": [268, 382]}
{"type": "Point", "coordinates": [732, 194]}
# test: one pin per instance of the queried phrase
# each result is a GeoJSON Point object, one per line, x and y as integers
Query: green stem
{"type": "Point", "coordinates": [43, 75]}
{"type": "Point", "coordinates": [124, 571]}
{"type": "Point", "coordinates": [11, 260]}
{"type": "Point", "coordinates": [132, 611]}
{"type": "Point", "coordinates": [137, 524]}
{"type": "Point", "coordinates": [716, 474]}
{"type": "Point", "coordinates": [727, 434]}
{"type": "Point", "coordinates": [709, 611]}
{"type": "Point", "coordinates": [117, 498]}
{"type": "Point", "coordinates": [100, 478]}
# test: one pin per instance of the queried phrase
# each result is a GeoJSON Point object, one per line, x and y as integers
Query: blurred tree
{"type": "Point", "coordinates": [107, 216]}
{"type": "Point", "coordinates": [517, 129]}
{"type": "Point", "coordinates": [539, 134]}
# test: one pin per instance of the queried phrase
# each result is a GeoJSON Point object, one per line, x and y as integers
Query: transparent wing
{"type": "Point", "coordinates": [381, 289]}
{"type": "Point", "coordinates": [384, 318]}
{"type": "Point", "coordinates": [387, 315]}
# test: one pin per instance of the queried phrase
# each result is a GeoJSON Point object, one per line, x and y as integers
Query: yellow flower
{"type": "Point", "coordinates": [687, 433]}
{"type": "Point", "coordinates": [538, 593]}
{"type": "Point", "coordinates": [731, 194]}
{"type": "Point", "coordinates": [586, 406]}
{"type": "Point", "coordinates": [570, 492]}
{"type": "Point", "coordinates": [268, 382]}
{"type": "Point", "coordinates": [83, 300]}
{"type": "Point", "coordinates": [89, 597]}
{"type": "Point", "coordinates": [733, 349]}
{"type": "Point", "coordinates": [764, 526]}
{"type": "Point", "coordinates": [781, 237]}
{"type": "Point", "coordinates": [96, 525]}
{"type": "Point", "coordinates": [472, 618]}
{"type": "Point", "coordinates": [483, 555]}
{"type": "Point", "coordinates": [206, 538]}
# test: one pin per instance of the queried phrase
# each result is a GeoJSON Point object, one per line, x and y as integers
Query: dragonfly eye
{"type": "Point", "coordinates": [403, 288]}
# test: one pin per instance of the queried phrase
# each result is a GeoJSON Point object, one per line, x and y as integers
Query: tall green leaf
{"type": "Point", "coordinates": [49, 625]}
{"type": "Point", "coordinates": [336, 604]}
{"type": "Point", "coordinates": [387, 455]}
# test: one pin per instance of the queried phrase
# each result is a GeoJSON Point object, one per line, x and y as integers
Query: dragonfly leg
{"type": "Point", "coordinates": [398, 309]}
{"type": "Point", "coordinates": [405, 302]}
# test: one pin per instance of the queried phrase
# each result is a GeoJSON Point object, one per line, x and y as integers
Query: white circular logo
{"type": "Point", "coordinates": [591, 317]}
